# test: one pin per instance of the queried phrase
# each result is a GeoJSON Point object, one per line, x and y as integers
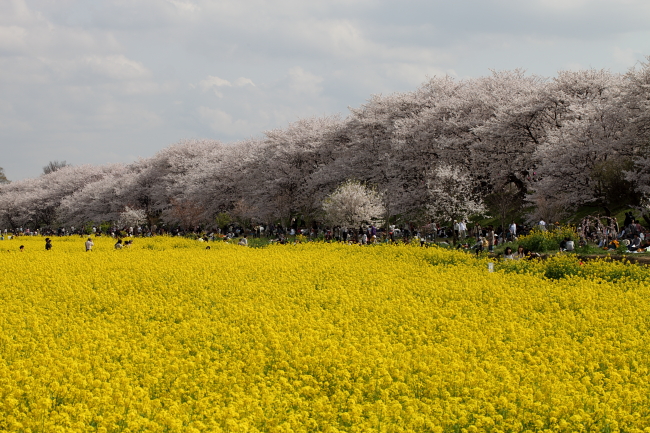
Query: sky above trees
{"type": "Point", "coordinates": [110, 81]}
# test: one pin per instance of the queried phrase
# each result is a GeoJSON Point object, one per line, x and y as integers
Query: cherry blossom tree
{"type": "Point", "coordinates": [452, 194]}
{"type": "Point", "coordinates": [583, 161]}
{"type": "Point", "coordinates": [99, 201]}
{"type": "Point", "coordinates": [636, 99]}
{"type": "Point", "coordinates": [224, 175]}
{"type": "Point", "coordinates": [53, 166]}
{"type": "Point", "coordinates": [352, 204]}
{"type": "Point", "coordinates": [3, 177]}
{"type": "Point", "coordinates": [579, 138]}
{"type": "Point", "coordinates": [130, 217]}
{"type": "Point", "coordinates": [35, 202]}
{"type": "Point", "coordinates": [286, 165]}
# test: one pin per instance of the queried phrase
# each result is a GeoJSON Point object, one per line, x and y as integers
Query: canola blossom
{"type": "Point", "coordinates": [170, 337]}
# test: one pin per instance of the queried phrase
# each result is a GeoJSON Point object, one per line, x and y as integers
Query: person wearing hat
{"type": "Point", "coordinates": [89, 244]}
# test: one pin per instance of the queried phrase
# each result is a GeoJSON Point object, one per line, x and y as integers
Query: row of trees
{"type": "Point", "coordinates": [447, 149]}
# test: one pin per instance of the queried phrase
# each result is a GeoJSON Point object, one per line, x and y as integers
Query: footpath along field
{"type": "Point", "coordinates": [171, 337]}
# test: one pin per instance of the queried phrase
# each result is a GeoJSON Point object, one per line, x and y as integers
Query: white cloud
{"type": "Point", "coordinates": [241, 81]}
{"type": "Point", "coordinates": [625, 56]}
{"type": "Point", "coordinates": [221, 122]}
{"type": "Point", "coordinates": [213, 83]}
{"type": "Point", "coordinates": [12, 38]}
{"type": "Point", "coordinates": [414, 73]}
{"type": "Point", "coordinates": [185, 6]}
{"type": "Point", "coordinates": [304, 82]}
{"type": "Point", "coordinates": [128, 75]}
{"type": "Point", "coordinates": [563, 5]}
{"type": "Point", "coordinates": [117, 67]}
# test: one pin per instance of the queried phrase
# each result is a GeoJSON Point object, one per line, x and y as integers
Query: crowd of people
{"type": "Point", "coordinates": [460, 234]}
{"type": "Point", "coordinates": [483, 238]}
{"type": "Point", "coordinates": [631, 235]}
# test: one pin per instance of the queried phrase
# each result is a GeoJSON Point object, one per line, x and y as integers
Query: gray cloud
{"type": "Point", "coordinates": [97, 82]}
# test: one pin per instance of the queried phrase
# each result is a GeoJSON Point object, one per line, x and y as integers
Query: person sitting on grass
{"type": "Point", "coordinates": [644, 245]}
{"type": "Point", "coordinates": [521, 252]}
{"type": "Point", "coordinates": [567, 244]}
{"type": "Point", "coordinates": [635, 243]}
{"type": "Point", "coordinates": [612, 245]}
{"type": "Point", "coordinates": [530, 255]}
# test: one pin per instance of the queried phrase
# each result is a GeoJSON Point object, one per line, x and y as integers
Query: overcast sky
{"type": "Point", "coordinates": [91, 81]}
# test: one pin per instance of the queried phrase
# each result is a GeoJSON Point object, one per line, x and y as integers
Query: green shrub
{"type": "Point", "coordinates": [561, 267]}
{"type": "Point", "coordinates": [544, 241]}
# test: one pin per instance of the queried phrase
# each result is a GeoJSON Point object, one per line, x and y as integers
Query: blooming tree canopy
{"type": "Point", "coordinates": [132, 217]}
{"type": "Point", "coordinates": [451, 195]}
{"type": "Point", "coordinates": [579, 138]}
{"type": "Point", "coordinates": [353, 204]}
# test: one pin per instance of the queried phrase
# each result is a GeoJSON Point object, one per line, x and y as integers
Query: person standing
{"type": "Point", "coordinates": [89, 244]}
{"type": "Point", "coordinates": [477, 231]}
{"type": "Point", "coordinates": [48, 244]}
{"type": "Point", "coordinates": [513, 230]}
{"type": "Point", "coordinates": [491, 238]}
{"type": "Point", "coordinates": [462, 229]}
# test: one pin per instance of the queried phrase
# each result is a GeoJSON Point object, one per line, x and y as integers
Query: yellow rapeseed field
{"type": "Point", "coordinates": [170, 337]}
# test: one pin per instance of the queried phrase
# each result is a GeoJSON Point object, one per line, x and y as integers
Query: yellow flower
{"type": "Point", "coordinates": [170, 336]}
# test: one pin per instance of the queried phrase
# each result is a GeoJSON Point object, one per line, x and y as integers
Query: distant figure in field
{"type": "Point", "coordinates": [48, 244]}
{"type": "Point", "coordinates": [118, 244]}
{"type": "Point", "coordinates": [89, 244]}
{"type": "Point", "coordinates": [243, 241]}
{"type": "Point", "coordinates": [22, 248]}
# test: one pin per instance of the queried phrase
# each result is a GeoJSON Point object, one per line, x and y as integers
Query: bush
{"type": "Point", "coordinates": [544, 241]}
{"type": "Point", "coordinates": [561, 267]}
